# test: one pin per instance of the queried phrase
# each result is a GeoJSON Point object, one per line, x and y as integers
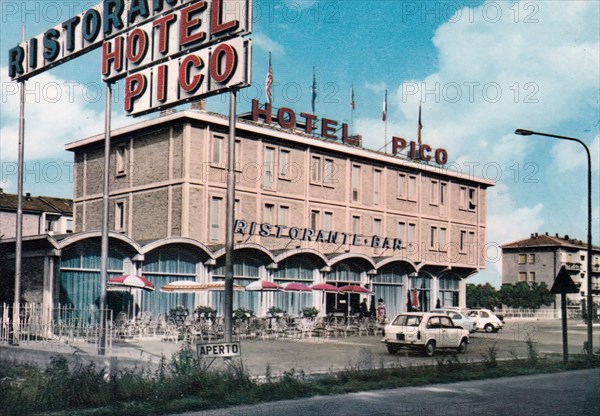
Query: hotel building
{"type": "Point", "coordinates": [308, 210]}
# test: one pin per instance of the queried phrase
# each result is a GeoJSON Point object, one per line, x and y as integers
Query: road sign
{"type": "Point", "coordinates": [219, 350]}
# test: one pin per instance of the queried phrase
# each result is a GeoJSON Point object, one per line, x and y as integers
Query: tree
{"type": "Point", "coordinates": [482, 296]}
{"type": "Point", "coordinates": [522, 295]}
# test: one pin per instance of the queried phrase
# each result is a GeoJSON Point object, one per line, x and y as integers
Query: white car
{"type": "Point", "coordinates": [425, 331]}
{"type": "Point", "coordinates": [486, 320]}
{"type": "Point", "coordinates": [458, 318]}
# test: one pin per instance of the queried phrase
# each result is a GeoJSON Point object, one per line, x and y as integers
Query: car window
{"type": "Point", "coordinates": [446, 322]}
{"type": "Point", "coordinates": [473, 313]}
{"type": "Point", "coordinates": [407, 320]}
{"type": "Point", "coordinates": [485, 314]}
{"type": "Point", "coordinates": [434, 322]}
{"type": "Point", "coordinates": [456, 316]}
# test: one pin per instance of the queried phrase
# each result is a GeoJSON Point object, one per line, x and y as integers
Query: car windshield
{"type": "Point", "coordinates": [407, 320]}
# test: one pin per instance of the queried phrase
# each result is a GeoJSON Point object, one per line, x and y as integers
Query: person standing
{"type": "Point", "coordinates": [381, 311]}
{"type": "Point", "coordinates": [363, 309]}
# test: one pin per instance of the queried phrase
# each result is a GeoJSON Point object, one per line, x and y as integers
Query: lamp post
{"type": "Point", "coordinates": [522, 132]}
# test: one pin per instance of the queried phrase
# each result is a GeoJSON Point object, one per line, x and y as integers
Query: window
{"type": "Point", "coordinates": [355, 182]}
{"type": "Point", "coordinates": [268, 213]}
{"type": "Point", "coordinates": [217, 149]}
{"type": "Point", "coordinates": [120, 216]}
{"type": "Point", "coordinates": [328, 172]}
{"type": "Point", "coordinates": [522, 258]}
{"type": "Point", "coordinates": [412, 188]}
{"type": "Point", "coordinates": [121, 162]}
{"type": "Point", "coordinates": [432, 237]}
{"type": "Point", "coordinates": [442, 246]}
{"type": "Point", "coordinates": [269, 167]}
{"type": "Point", "coordinates": [215, 218]}
{"type": "Point", "coordinates": [51, 223]}
{"type": "Point", "coordinates": [314, 219]}
{"type": "Point", "coordinates": [284, 215]}
{"type": "Point", "coordinates": [315, 169]}
{"type": "Point", "coordinates": [522, 276]}
{"type": "Point", "coordinates": [284, 164]}
{"type": "Point", "coordinates": [400, 231]}
{"type": "Point", "coordinates": [401, 186]}
{"type": "Point", "coordinates": [355, 225]}
{"type": "Point", "coordinates": [463, 197]}
{"type": "Point", "coordinates": [410, 238]}
{"type": "Point", "coordinates": [377, 226]}
{"type": "Point", "coordinates": [443, 190]}
{"type": "Point", "coordinates": [532, 258]}
{"type": "Point", "coordinates": [463, 241]}
{"type": "Point", "coordinates": [377, 186]}
{"type": "Point", "coordinates": [532, 276]}
{"type": "Point", "coordinates": [327, 221]}
{"type": "Point", "coordinates": [434, 193]}
{"type": "Point", "coordinates": [69, 225]}
{"type": "Point", "coordinates": [472, 199]}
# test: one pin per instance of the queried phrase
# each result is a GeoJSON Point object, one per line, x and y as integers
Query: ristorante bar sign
{"type": "Point", "coordinates": [151, 43]}
{"type": "Point", "coordinates": [319, 236]}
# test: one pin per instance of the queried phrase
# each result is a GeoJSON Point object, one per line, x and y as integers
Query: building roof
{"type": "Point", "coordinates": [285, 135]}
{"type": "Point", "coordinates": [62, 206]}
{"type": "Point", "coordinates": [545, 240]}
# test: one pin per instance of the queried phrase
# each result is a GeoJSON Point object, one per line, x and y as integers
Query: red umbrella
{"type": "Point", "coordinates": [296, 287]}
{"type": "Point", "coordinates": [325, 287]}
{"type": "Point", "coordinates": [132, 282]}
{"type": "Point", "coordinates": [354, 289]}
{"type": "Point", "coordinates": [263, 285]}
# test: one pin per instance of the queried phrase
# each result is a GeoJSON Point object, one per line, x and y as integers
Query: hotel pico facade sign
{"type": "Point", "coordinates": [168, 51]}
{"type": "Point", "coordinates": [286, 118]}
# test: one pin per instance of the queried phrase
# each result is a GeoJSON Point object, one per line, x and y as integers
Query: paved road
{"type": "Point", "coordinates": [575, 393]}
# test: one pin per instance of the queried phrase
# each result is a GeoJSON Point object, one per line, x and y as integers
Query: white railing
{"type": "Point", "coordinates": [62, 325]}
{"type": "Point", "coordinates": [543, 313]}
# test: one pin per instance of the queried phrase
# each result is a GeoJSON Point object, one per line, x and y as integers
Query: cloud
{"type": "Point", "coordinates": [264, 42]}
{"type": "Point", "coordinates": [377, 88]}
{"type": "Point", "coordinates": [300, 4]}
{"type": "Point", "coordinates": [570, 157]}
{"type": "Point", "coordinates": [57, 111]}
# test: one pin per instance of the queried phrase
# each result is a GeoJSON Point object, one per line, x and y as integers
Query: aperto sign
{"type": "Point", "coordinates": [219, 350]}
{"type": "Point", "coordinates": [153, 42]}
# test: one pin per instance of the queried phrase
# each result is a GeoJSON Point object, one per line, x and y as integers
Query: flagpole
{"type": "Point", "coordinates": [352, 111]}
{"type": "Point", "coordinates": [385, 121]}
{"type": "Point", "coordinates": [420, 127]}
{"type": "Point", "coordinates": [269, 82]}
{"type": "Point", "coordinates": [19, 228]}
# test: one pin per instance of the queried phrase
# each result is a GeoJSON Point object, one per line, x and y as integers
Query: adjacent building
{"type": "Point", "coordinates": [307, 210]}
{"type": "Point", "coordinates": [540, 257]}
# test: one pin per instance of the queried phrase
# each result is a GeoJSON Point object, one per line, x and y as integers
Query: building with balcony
{"type": "Point", "coordinates": [540, 257]}
{"type": "Point", "coordinates": [308, 209]}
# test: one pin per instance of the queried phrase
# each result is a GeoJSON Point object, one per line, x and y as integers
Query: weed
{"type": "Point", "coordinates": [489, 357]}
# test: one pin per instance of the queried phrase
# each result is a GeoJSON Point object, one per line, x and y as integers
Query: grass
{"type": "Point", "coordinates": [185, 383]}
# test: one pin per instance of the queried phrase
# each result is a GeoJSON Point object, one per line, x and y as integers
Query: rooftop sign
{"type": "Point", "coordinates": [139, 37]}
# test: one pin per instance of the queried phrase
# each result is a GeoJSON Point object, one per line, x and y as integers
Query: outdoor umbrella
{"type": "Point", "coordinates": [128, 282]}
{"type": "Point", "coordinates": [353, 289]}
{"type": "Point", "coordinates": [326, 288]}
{"type": "Point", "coordinates": [295, 287]}
{"type": "Point", "coordinates": [190, 286]}
{"type": "Point", "coordinates": [263, 286]}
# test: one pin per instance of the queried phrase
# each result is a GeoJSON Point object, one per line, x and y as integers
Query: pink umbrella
{"type": "Point", "coordinates": [132, 282]}
{"type": "Point", "coordinates": [354, 289]}
{"type": "Point", "coordinates": [296, 287]}
{"type": "Point", "coordinates": [325, 287]}
{"type": "Point", "coordinates": [263, 285]}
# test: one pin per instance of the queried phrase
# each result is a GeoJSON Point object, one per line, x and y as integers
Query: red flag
{"type": "Point", "coordinates": [384, 113]}
{"type": "Point", "coordinates": [269, 82]}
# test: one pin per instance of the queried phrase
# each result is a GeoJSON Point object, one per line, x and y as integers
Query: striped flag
{"type": "Point", "coordinates": [269, 82]}
{"type": "Point", "coordinates": [313, 90]}
{"type": "Point", "coordinates": [384, 113]}
{"type": "Point", "coordinates": [420, 126]}
{"type": "Point", "coordinates": [352, 102]}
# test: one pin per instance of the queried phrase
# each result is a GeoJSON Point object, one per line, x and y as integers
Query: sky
{"type": "Point", "coordinates": [480, 69]}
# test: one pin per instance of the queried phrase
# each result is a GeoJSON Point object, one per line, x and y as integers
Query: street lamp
{"type": "Point", "coordinates": [522, 132]}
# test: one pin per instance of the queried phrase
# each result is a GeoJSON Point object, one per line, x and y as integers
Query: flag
{"type": "Point", "coordinates": [384, 113]}
{"type": "Point", "coordinates": [420, 127]}
{"type": "Point", "coordinates": [352, 102]}
{"type": "Point", "coordinates": [269, 82]}
{"type": "Point", "coordinates": [313, 90]}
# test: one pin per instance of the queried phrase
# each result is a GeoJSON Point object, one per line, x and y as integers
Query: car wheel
{"type": "Point", "coordinates": [489, 328]}
{"type": "Point", "coordinates": [393, 349]}
{"type": "Point", "coordinates": [430, 349]}
{"type": "Point", "coordinates": [462, 347]}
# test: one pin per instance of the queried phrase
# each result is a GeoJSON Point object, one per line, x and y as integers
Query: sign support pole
{"type": "Point", "coordinates": [105, 210]}
{"type": "Point", "coordinates": [19, 230]}
{"type": "Point", "coordinates": [230, 207]}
